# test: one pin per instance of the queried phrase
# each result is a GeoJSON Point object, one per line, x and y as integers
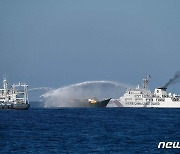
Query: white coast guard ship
{"type": "Point", "coordinates": [14, 98]}
{"type": "Point", "coordinates": [143, 97]}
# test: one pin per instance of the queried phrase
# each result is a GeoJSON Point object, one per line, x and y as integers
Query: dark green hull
{"type": "Point", "coordinates": [86, 103]}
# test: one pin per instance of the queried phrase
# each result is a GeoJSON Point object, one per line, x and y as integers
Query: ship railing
{"type": "Point", "coordinates": [20, 92]}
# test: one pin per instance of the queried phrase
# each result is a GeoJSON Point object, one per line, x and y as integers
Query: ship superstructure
{"type": "Point", "coordinates": [143, 97]}
{"type": "Point", "coordinates": [14, 98]}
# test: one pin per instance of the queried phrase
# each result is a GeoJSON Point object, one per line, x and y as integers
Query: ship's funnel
{"type": "Point", "coordinates": [160, 92]}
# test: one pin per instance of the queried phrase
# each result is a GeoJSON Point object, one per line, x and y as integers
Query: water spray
{"type": "Point", "coordinates": [40, 88]}
{"type": "Point", "coordinates": [90, 89]}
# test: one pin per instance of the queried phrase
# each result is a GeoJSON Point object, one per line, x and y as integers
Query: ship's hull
{"type": "Point", "coordinates": [87, 104]}
{"type": "Point", "coordinates": [6, 106]}
{"type": "Point", "coordinates": [168, 104]}
{"type": "Point", "coordinates": [17, 106]}
{"type": "Point", "coordinates": [22, 106]}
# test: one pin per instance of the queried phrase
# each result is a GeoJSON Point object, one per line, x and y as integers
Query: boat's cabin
{"type": "Point", "coordinates": [19, 92]}
{"type": "Point", "coordinates": [136, 93]}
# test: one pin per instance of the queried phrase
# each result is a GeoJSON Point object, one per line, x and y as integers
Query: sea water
{"type": "Point", "coordinates": [88, 130]}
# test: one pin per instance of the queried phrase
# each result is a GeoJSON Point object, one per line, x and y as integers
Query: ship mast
{"type": "Point", "coordinates": [146, 81]}
{"type": "Point", "coordinates": [5, 86]}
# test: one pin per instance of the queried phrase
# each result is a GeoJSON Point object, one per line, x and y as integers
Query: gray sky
{"type": "Point", "coordinates": [59, 42]}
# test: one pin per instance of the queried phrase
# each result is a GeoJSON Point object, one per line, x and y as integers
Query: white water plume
{"type": "Point", "coordinates": [91, 89]}
{"type": "Point", "coordinates": [40, 88]}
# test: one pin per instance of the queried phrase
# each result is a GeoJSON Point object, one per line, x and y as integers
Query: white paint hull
{"type": "Point", "coordinates": [168, 104]}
